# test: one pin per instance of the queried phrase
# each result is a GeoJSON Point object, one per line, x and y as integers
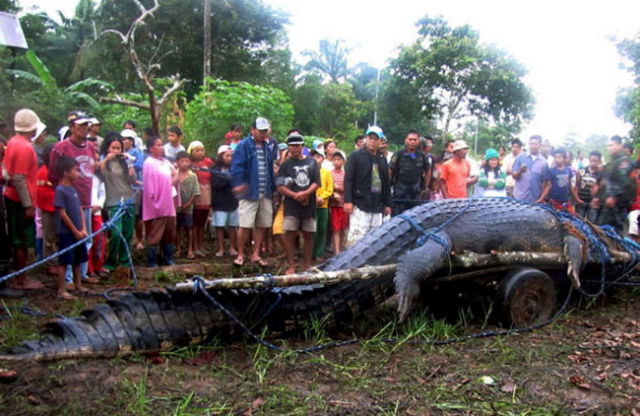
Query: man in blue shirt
{"type": "Point", "coordinates": [531, 172]}
{"type": "Point", "coordinates": [253, 183]}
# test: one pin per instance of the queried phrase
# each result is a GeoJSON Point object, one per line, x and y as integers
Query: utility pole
{"type": "Point", "coordinates": [375, 103]}
{"type": "Point", "coordinates": [207, 40]}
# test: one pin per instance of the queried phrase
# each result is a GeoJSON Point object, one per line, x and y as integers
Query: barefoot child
{"type": "Point", "coordinates": [70, 225]}
{"type": "Point", "coordinates": [339, 220]}
{"type": "Point", "coordinates": [224, 203]}
{"type": "Point", "coordinates": [189, 189]}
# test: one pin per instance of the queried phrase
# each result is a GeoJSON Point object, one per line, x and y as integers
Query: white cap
{"type": "Point", "coordinates": [262, 123]}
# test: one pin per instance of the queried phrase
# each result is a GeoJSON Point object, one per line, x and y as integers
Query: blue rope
{"type": "Point", "coordinates": [109, 224]}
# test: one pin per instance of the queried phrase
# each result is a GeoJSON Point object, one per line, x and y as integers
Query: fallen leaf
{"type": "Point", "coordinates": [7, 376]}
{"type": "Point", "coordinates": [205, 357]}
{"type": "Point", "coordinates": [579, 382]}
{"type": "Point", "coordinates": [507, 385]}
{"type": "Point", "coordinates": [157, 359]}
{"type": "Point", "coordinates": [603, 376]}
{"type": "Point", "coordinates": [390, 379]}
{"type": "Point", "coordinates": [257, 403]}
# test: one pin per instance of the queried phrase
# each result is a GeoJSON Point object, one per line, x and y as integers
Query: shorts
{"type": "Point", "coordinates": [279, 220]}
{"type": "Point", "coordinates": [77, 255]}
{"type": "Point", "coordinates": [255, 213]}
{"type": "Point", "coordinates": [184, 220]}
{"type": "Point", "coordinates": [160, 230]}
{"type": "Point", "coordinates": [360, 223]}
{"type": "Point", "coordinates": [22, 231]}
{"type": "Point", "coordinates": [633, 222]}
{"type": "Point", "coordinates": [200, 216]}
{"type": "Point", "coordinates": [339, 219]}
{"type": "Point", "coordinates": [225, 219]}
{"type": "Point", "coordinates": [295, 224]}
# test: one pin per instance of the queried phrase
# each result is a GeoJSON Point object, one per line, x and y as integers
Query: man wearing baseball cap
{"type": "Point", "coordinates": [367, 191]}
{"type": "Point", "coordinates": [299, 199]}
{"type": "Point", "coordinates": [21, 164]}
{"type": "Point", "coordinates": [94, 132]}
{"type": "Point", "coordinates": [253, 183]}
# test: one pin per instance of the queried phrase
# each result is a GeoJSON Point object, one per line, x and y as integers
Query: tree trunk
{"type": "Point", "coordinates": [207, 41]}
{"type": "Point", "coordinates": [154, 110]}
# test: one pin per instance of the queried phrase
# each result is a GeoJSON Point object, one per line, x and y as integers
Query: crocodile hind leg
{"type": "Point", "coordinates": [416, 265]}
{"type": "Point", "coordinates": [574, 253]}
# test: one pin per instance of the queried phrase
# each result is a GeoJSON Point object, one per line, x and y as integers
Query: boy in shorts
{"type": "Point", "coordinates": [70, 225]}
{"type": "Point", "coordinates": [299, 199]}
{"type": "Point", "coordinates": [189, 189]}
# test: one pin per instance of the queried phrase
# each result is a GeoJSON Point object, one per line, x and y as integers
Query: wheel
{"type": "Point", "coordinates": [528, 297]}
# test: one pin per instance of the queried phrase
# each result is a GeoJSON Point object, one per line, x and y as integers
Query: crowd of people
{"type": "Point", "coordinates": [260, 197]}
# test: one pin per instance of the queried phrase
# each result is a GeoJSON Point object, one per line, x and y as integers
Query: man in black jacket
{"type": "Point", "coordinates": [367, 192]}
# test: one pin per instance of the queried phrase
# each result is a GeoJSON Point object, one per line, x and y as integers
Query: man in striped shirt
{"type": "Point", "coordinates": [253, 183]}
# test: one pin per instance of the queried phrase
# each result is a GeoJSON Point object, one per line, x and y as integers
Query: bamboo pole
{"type": "Point", "coordinates": [493, 262]}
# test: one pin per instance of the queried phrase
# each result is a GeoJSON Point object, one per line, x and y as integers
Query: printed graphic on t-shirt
{"type": "Point", "coordinates": [376, 182]}
{"type": "Point", "coordinates": [301, 177]}
{"type": "Point", "coordinates": [85, 165]}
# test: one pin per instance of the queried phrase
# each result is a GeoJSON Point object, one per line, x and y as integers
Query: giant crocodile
{"type": "Point", "coordinates": [419, 241]}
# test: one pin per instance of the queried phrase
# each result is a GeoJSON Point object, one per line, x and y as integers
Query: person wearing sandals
{"type": "Point", "coordinates": [253, 183]}
{"type": "Point", "coordinates": [70, 225]}
{"type": "Point", "coordinates": [223, 202]}
{"type": "Point", "coordinates": [118, 173]}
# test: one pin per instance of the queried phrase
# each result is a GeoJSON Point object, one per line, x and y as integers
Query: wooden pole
{"type": "Point", "coordinates": [483, 263]}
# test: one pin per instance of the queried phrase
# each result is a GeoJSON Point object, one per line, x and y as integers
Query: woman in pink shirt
{"type": "Point", "coordinates": [158, 207]}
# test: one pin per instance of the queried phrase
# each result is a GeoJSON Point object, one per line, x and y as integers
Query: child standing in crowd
{"type": "Point", "coordinates": [223, 202]}
{"type": "Point", "coordinates": [118, 174]}
{"type": "Point", "coordinates": [492, 179]}
{"type": "Point", "coordinates": [235, 137]}
{"type": "Point", "coordinates": [158, 209]}
{"type": "Point", "coordinates": [70, 225]}
{"type": "Point", "coordinates": [96, 253]}
{"type": "Point", "coordinates": [173, 145]}
{"type": "Point", "coordinates": [339, 219]}
{"type": "Point", "coordinates": [45, 195]}
{"type": "Point", "coordinates": [201, 165]}
{"type": "Point", "coordinates": [558, 189]}
{"type": "Point", "coordinates": [323, 194]}
{"type": "Point", "coordinates": [189, 191]}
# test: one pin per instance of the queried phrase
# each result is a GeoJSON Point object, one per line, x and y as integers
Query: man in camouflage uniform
{"type": "Point", "coordinates": [410, 172]}
{"type": "Point", "coordinates": [618, 188]}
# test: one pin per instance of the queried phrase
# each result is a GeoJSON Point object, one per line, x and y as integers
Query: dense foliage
{"type": "Point", "coordinates": [80, 65]}
{"type": "Point", "coordinates": [628, 100]}
{"type": "Point", "coordinates": [220, 104]}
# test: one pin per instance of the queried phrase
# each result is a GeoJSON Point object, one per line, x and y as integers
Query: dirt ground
{"type": "Point", "coordinates": [587, 362]}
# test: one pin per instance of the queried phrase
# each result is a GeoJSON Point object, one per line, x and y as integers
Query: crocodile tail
{"type": "Point", "coordinates": [135, 322]}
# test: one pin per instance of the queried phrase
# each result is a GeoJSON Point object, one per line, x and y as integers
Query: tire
{"type": "Point", "coordinates": [528, 297]}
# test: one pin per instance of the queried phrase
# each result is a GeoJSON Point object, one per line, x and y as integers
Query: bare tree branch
{"type": "Point", "coordinates": [177, 84]}
{"type": "Point", "coordinates": [122, 101]}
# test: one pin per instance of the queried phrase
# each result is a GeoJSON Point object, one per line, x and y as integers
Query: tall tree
{"type": "Point", "coordinates": [457, 77]}
{"type": "Point", "coordinates": [329, 61]}
{"type": "Point", "coordinates": [628, 99]}
{"type": "Point", "coordinates": [144, 69]}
